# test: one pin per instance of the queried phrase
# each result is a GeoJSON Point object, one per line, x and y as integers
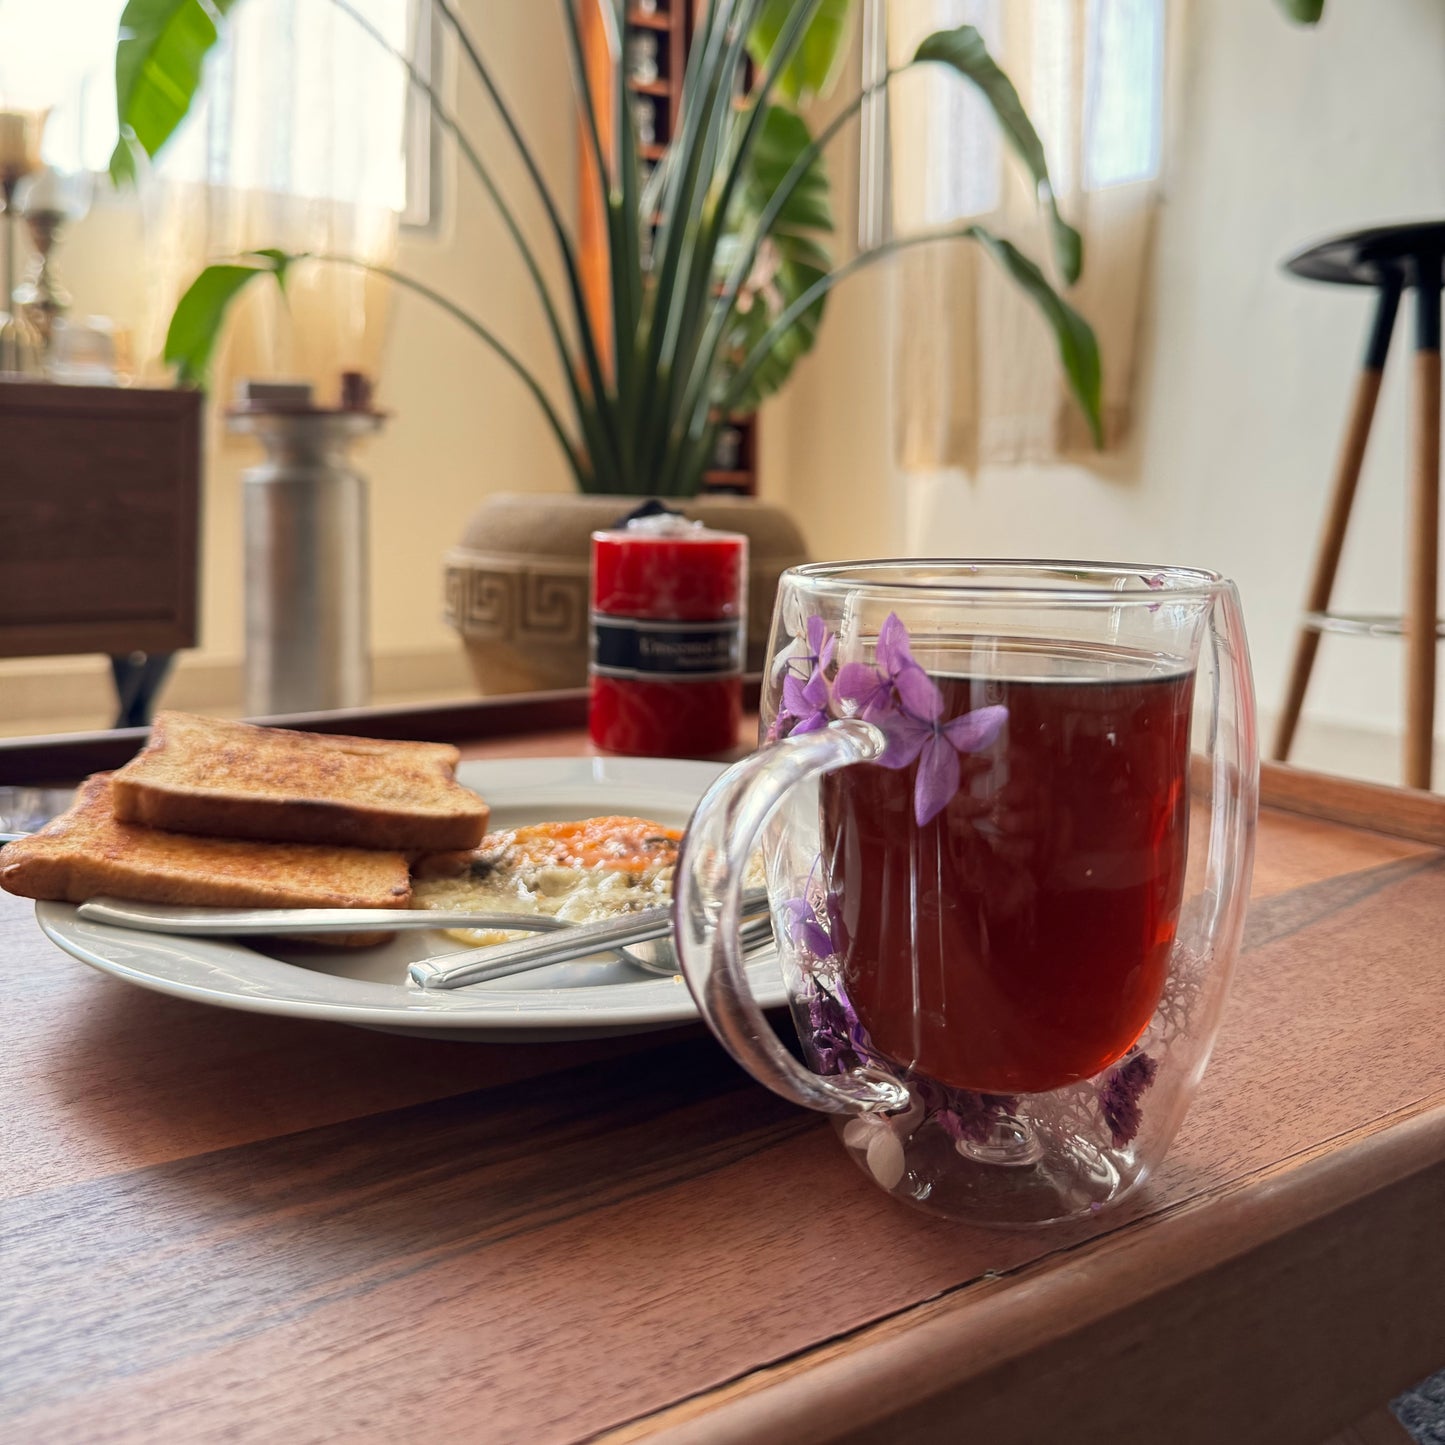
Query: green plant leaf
{"type": "Point", "coordinates": [1303, 12]}
{"type": "Point", "coordinates": [201, 312]}
{"type": "Point", "coordinates": [964, 50]}
{"type": "Point", "coordinates": [1078, 348]}
{"type": "Point", "coordinates": [814, 69]}
{"type": "Point", "coordinates": [159, 56]}
{"type": "Point", "coordinates": [793, 252]}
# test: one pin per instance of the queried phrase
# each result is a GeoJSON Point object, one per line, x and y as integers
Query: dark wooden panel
{"type": "Point", "coordinates": [99, 504]}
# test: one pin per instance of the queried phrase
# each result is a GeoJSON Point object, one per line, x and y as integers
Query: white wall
{"type": "Point", "coordinates": [1284, 135]}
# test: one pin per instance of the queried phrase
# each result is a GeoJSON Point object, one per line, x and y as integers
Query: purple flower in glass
{"type": "Point", "coordinates": [806, 699]}
{"type": "Point", "coordinates": [895, 681]}
{"type": "Point", "coordinates": [963, 1114]}
{"type": "Point", "coordinates": [1119, 1098]}
{"type": "Point", "coordinates": [810, 933]}
{"type": "Point", "coordinates": [804, 929]}
{"type": "Point", "coordinates": [832, 1028]}
{"type": "Point", "coordinates": [900, 698]}
{"type": "Point", "coordinates": [936, 744]}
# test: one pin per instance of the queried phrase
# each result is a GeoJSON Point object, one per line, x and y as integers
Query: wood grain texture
{"type": "Point", "coordinates": [222, 1227]}
{"type": "Point", "coordinates": [1400, 812]}
{"type": "Point", "coordinates": [99, 502]}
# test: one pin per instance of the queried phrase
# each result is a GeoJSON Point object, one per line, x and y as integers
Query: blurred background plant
{"type": "Point", "coordinates": [717, 262]}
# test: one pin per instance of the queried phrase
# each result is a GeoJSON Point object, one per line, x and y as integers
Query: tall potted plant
{"type": "Point", "coordinates": [718, 263]}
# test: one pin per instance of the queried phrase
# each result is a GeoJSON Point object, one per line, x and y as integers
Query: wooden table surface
{"type": "Point", "coordinates": [225, 1226]}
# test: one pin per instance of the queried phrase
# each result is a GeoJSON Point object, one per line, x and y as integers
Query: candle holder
{"type": "Point", "coordinates": [49, 201]}
{"type": "Point", "coordinates": [21, 350]}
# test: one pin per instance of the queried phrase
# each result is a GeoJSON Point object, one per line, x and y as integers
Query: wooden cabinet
{"type": "Point", "coordinates": [99, 507]}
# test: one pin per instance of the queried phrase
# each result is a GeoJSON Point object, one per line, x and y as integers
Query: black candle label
{"type": "Point", "coordinates": [644, 647]}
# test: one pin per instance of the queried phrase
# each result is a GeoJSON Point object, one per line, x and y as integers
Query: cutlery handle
{"type": "Point", "coordinates": [240, 922]}
{"type": "Point", "coordinates": [477, 965]}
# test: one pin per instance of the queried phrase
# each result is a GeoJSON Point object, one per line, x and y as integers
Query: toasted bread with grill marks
{"type": "Point", "coordinates": [87, 852]}
{"type": "Point", "coordinates": [235, 780]}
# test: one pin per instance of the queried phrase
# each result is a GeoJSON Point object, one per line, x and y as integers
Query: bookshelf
{"type": "Point", "coordinates": [656, 40]}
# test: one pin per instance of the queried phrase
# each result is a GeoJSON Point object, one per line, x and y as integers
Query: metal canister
{"type": "Point", "coordinates": [305, 527]}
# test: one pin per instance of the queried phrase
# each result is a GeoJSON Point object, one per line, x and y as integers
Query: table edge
{"type": "Point", "coordinates": [1105, 1301]}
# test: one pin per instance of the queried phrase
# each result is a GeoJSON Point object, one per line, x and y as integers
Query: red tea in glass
{"type": "Point", "coordinates": [1020, 940]}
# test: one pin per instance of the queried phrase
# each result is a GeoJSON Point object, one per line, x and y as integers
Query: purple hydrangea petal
{"type": "Point", "coordinates": [894, 652]}
{"type": "Point", "coordinates": [906, 737]}
{"type": "Point", "coordinates": [814, 692]}
{"type": "Point", "coordinates": [809, 724]}
{"type": "Point", "coordinates": [857, 682]}
{"type": "Point", "coordinates": [937, 779]}
{"type": "Point", "coordinates": [817, 636]}
{"type": "Point", "coordinates": [804, 929]}
{"type": "Point", "coordinates": [794, 700]}
{"type": "Point", "coordinates": [976, 730]}
{"type": "Point", "coordinates": [918, 692]}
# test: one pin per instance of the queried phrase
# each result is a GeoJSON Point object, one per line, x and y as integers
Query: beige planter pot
{"type": "Point", "coordinates": [517, 586]}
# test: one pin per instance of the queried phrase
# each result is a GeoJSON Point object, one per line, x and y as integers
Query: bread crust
{"type": "Point", "coordinates": [87, 852]}
{"type": "Point", "coordinates": [235, 780]}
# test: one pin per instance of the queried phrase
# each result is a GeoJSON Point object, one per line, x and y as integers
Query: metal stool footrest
{"type": "Point", "coordinates": [1362, 624]}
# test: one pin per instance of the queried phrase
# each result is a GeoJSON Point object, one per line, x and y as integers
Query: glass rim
{"type": "Point", "coordinates": [1176, 583]}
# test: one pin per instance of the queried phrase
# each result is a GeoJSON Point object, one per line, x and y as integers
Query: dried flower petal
{"type": "Point", "coordinates": [822, 644]}
{"type": "Point", "coordinates": [885, 1158]}
{"type": "Point", "coordinates": [805, 931]}
{"type": "Point", "coordinates": [976, 730]}
{"type": "Point", "coordinates": [918, 694]}
{"type": "Point", "coordinates": [866, 686]}
{"type": "Point", "coordinates": [1119, 1098]}
{"type": "Point", "coordinates": [937, 779]}
{"type": "Point", "coordinates": [905, 737]}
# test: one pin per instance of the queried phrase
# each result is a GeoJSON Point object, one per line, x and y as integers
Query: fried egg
{"type": "Point", "coordinates": [578, 871]}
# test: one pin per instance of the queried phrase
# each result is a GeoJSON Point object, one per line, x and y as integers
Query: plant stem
{"type": "Point", "coordinates": [713, 224]}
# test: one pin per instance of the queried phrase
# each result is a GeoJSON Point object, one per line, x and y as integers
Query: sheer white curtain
{"type": "Point", "coordinates": [977, 376]}
{"type": "Point", "coordinates": [299, 145]}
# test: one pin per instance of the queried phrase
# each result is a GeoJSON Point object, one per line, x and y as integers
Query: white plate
{"type": "Point", "coordinates": [368, 987]}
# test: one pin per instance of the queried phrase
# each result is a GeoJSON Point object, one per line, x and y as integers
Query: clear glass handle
{"type": "Point", "coordinates": [721, 838]}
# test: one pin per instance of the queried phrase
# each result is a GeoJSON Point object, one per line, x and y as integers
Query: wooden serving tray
{"type": "Point", "coordinates": [223, 1226]}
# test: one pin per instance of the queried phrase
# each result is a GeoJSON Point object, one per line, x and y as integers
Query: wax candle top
{"type": "Point", "coordinates": [667, 567]}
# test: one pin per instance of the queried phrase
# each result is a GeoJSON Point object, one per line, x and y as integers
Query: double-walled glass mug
{"type": "Point", "coordinates": [1006, 813]}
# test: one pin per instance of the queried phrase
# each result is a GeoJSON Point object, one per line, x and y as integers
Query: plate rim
{"type": "Point", "coordinates": [515, 1010]}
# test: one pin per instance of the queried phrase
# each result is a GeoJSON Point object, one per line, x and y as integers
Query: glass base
{"type": "Point", "coordinates": [1022, 1175]}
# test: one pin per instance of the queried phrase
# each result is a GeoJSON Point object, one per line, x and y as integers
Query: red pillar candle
{"type": "Point", "coordinates": [668, 620]}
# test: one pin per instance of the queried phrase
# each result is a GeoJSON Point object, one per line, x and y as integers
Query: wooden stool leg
{"type": "Point", "coordinates": [1332, 539]}
{"type": "Point", "coordinates": [1422, 605]}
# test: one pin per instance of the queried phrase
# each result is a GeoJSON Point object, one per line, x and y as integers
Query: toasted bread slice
{"type": "Point", "coordinates": [87, 852]}
{"type": "Point", "coordinates": [234, 780]}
